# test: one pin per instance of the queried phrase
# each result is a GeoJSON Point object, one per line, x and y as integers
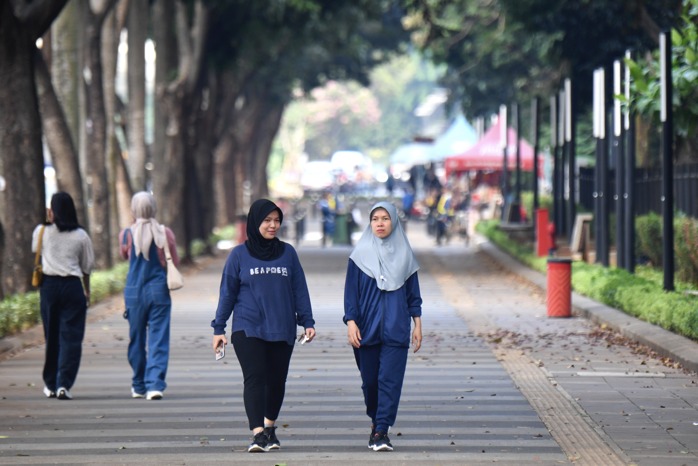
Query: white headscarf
{"type": "Point", "coordinates": [390, 261]}
{"type": "Point", "coordinates": [146, 229]}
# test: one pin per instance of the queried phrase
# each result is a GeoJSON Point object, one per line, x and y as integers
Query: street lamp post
{"type": "Point", "coordinates": [505, 162]}
{"type": "Point", "coordinates": [571, 158]}
{"type": "Point", "coordinates": [667, 117]}
{"type": "Point", "coordinates": [618, 152]}
{"type": "Point", "coordinates": [629, 126]}
{"type": "Point", "coordinates": [602, 232]}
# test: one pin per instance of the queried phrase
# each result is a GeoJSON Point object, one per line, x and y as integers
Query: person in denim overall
{"type": "Point", "coordinates": [147, 298]}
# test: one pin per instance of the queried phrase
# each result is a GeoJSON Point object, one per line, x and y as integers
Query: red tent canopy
{"type": "Point", "coordinates": [487, 154]}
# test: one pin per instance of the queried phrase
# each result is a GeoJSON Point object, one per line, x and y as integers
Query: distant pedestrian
{"type": "Point", "coordinates": [328, 208]}
{"type": "Point", "coordinates": [147, 298]}
{"type": "Point", "coordinates": [381, 294]}
{"type": "Point", "coordinates": [264, 288]}
{"type": "Point", "coordinates": [67, 259]}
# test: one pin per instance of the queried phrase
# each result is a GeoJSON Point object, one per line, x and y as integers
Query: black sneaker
{"type": "Point", "coordinates": [259, 443]}
{"type": "Point", "coordinates": [381, 442]}
{"type": "Point", "coordinates": [272, 441]}
{"type": "Point", "coordinates": [370, 439]}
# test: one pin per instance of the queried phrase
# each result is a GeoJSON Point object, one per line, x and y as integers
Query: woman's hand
{"type": "Point", "coordinates": [219, 340]}
{"type": "Point", "coordinates": [353, 334]}
{"type": "Point", "coordinates": [417, 334]}
{"type": "Point", "coordinates": [310, 333]}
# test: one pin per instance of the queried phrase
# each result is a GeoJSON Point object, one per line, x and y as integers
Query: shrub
{"type": "Point", "coordinates": [640, 294]}
{"type": "Point", "coordinates": [20, 312]}
{"type": "Point", "coordinates": [686, 249]}
{"type": "Point", "coordinates": [649, 238]}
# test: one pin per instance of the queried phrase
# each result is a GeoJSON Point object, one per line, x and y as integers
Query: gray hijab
{"type": "Point", "coordinates": [390, 261]}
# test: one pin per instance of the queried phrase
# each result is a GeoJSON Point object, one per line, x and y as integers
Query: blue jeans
{"type": "Point", "coordinates": [382, 370]}
{"type": "Point", "coordinates": [148, 312]}
{"type": "Point", "coordinates": [63, 312]}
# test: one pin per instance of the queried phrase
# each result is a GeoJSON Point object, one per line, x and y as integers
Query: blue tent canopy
{"type": "Point", "coordinates": [459, 137]}
{"type": "Point", "coordinates": [414, 153]}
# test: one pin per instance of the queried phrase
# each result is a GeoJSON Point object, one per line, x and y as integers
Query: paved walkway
{"type": "Point", "coordinates": [496, 382]}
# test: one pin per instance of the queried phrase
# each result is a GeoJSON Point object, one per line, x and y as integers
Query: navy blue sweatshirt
{"type": "Point", "coordinates": [382, 316]}
{"type": "Point", "coordinates": [269, 298]}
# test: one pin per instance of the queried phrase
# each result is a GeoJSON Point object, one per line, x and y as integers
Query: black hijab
{"type": "Point", "coordinates": [259, 247]}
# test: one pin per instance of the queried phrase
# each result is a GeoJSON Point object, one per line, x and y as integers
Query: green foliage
{"type": "Point", "coordinates": [544, 202]}
{"type": "Point", "coordinates": [649, 244]}
{"type": "Point", "coordinates": [686, 249]}
{"type": "Point", "coordinates": [649, 238]}
{"type": "Point", "coordinates": [20, 312]}
{"type": "Point", "coordinates": [498, 51]}
{"type": "Point", "coordinates": [645, 72]}
{"type": "Point", "coordinates": [374, 119]}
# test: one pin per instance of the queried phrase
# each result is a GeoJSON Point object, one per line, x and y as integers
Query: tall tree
{"type": "Point", "coordinates": [96, 132]}
{"type": "Point", "coordinates": [179, 98]}
{"type": "Point", "coordinates": [21, 155]}
{"type": "Point", "coordinates": [499, 50]}
{"type": "Point", "coordinates": [137, 35]}
{"type": "Point", "coordinates": [62, 56]}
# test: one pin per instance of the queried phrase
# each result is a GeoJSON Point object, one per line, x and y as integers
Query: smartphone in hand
{"type": "Point", "coordinates": [220, 352]}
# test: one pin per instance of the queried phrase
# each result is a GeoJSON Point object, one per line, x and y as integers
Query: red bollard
{"type": "Point", "coordinates": [551, 232]}
{"type": "Point", "coordinates": [241, 229]}
{"type": "Point", "coordinates": [543, 243]}
{"type": "Point", "coordinates": [559, 292]}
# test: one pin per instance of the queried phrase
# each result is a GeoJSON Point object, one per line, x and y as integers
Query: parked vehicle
{"type": "Point", "coordinates": [317, 177]}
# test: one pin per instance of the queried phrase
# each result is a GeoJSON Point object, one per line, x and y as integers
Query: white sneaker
{"type": "Point", "coordinates": [135, 394]}
{"type": "Point", "coordinates": [49, 393]}
{"type": "Point", "coordinates": [154, 395]}
{"type": "Point", "coordinates": [63, 394]}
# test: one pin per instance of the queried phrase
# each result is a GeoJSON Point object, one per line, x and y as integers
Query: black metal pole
{"type": "Point", "coordinates": [667, 160]}
{"type": "Point", "coordinates": [619, 165]}
{"type": "Point", "coordinates": [561, 159]}
{"type": "Point", "coordinates": [553, 152]}
{"type": "Point", "coordinates": [571, 158]}
{"type": "Point", "coordinates": [517, 122]}
{"type": "Point", "coordinates": [597, 168]}
{"type": "Point", "coordinates": [629, 198]}
{"type": "Point", "coordinates": [598, 199]}
{"type": "Point", "coordinates": [604, 233]}
{"type": "Point", "coordinates": [505, 159]}
{"type": "Point", "coordinates": [535, 137]}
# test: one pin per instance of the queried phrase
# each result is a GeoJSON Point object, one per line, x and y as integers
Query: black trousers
{"type": "Point", "coordinates": [63, 312]}
{"type": "Point", "coordinates": [264, 367]}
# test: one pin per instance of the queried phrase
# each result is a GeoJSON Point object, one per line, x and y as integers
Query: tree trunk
{"type": "Point", "coordinates": [58, 137]}
{"type": "Point", "coordinates": [96, 129]}
{"type": "Point", "coordinates": [137, 35]}
{"type": "Point", "coordinates": [225, 182]}
{"type": "Point", "coordinates": [22, 163]}
{"type": "Point", "coordinates": [165, 70]}
{"type": "Point", "coordinates": [180, 98]}
{"type": "Point", "coordinates": [65, 69]}
{"type": "Point", "coordinates": [119, 187]}
{"type": "Point", "coordinates": [266, 129]}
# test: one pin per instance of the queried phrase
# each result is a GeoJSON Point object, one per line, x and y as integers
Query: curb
{"type": "Point", "coordinates": [663, 342]}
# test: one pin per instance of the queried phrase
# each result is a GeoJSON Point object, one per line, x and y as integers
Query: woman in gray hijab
{"type": "Point", "coordinates": [381, 295]}
{"type": "Point", "coordinates": [147, 298]}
